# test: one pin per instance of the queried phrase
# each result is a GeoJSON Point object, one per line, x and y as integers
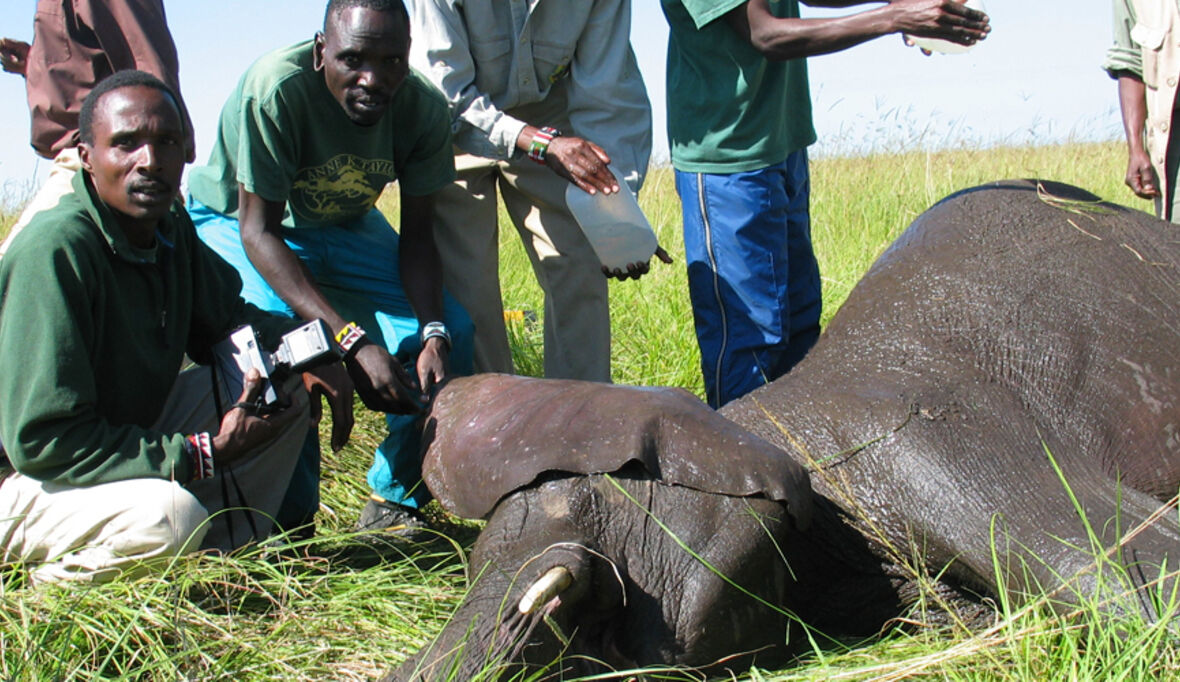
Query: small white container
{"type": "Point", "coordinates": [946, 46]}
{"type": "Point", "coordinates": [614, 224]}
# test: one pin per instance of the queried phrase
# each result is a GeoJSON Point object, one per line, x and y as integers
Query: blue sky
{"type": "Point", "coordinates": [1036, 79]}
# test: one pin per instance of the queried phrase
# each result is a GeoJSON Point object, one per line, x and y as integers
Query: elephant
{"type": "Point", "coordinates": [994, 410]}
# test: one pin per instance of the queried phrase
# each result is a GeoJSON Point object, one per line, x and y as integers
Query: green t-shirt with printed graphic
{"type": "Point", "coordinates": [729, 108]}
{"type": "Point", "coordinates": [284, 137]}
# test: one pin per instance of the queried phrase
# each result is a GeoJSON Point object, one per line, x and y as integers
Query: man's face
{"type": "Point", "coordinates": [137, 155]}
{"type": "Point", "coordinates": [364, 56]}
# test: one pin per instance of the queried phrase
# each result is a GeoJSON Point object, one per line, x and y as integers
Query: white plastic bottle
{"type": "Point", "coordinates": [614, 224]}
{"type": "Point", "coordinates": [946, 46]}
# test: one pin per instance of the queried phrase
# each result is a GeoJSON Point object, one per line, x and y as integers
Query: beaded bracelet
{"type": "Point", "coordinates": [200, 449]}
{"type": "Point", "coordinates": [349, 338]}
{"type": "Point", "coordinates": [539, 145]}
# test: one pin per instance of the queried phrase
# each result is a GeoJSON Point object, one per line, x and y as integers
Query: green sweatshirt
{"type": "Point", "coordinates": [92, 335]}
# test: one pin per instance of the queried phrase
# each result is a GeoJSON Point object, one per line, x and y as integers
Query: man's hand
{"type": "Point", "coordinates": [1141, 177]}
{"type": "Point", "coordinates": [381, 381]}
{"type": "Point", "coordinates": [14, 56]}
{"type": "Point", "coordinates": [581, 162]}
{"type": "Point", "coordinates": [432, 366]}
{"type": "Point", "coordinates": [242, 429]}
{"type": "Point", "coordinates": [637, 270]}
{"type": "Point", "coordinates": [332, 382]}
{"type": "Point", "coordinates": [946, 19]}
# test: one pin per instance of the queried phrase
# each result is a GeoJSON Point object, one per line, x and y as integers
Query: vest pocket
{"type": "Point", "coordinates": [1151, 39]}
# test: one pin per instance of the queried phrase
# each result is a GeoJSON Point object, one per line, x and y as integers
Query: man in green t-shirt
{"type": "Point", "coordinates": [739, 120]}
{"type": "Point", "coordinates": [307, 142]}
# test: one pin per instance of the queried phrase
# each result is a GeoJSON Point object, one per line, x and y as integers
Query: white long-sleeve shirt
{"type": "Point", "coordinates": [490, 57]}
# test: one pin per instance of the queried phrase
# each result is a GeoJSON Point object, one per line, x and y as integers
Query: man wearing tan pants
{"type": "Point", "coordinates": [97, 532]}
{"type": "Point", "coordinates": [119, 461]}
{"type": "Point", "coordinates": [544, 93]}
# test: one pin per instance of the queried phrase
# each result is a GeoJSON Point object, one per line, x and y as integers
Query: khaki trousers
{"type": "Point", "coordinates": [96, 533]}
{"type": "Point", "coordinates": [56, 186]}
{"type": "Point", "coordinates": [577, 313]}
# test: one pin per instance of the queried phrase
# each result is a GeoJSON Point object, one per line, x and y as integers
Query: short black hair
{"type": "Point", "coordinates": [395, 6]}
{"type": "Point", "coordinates": [120, 79]}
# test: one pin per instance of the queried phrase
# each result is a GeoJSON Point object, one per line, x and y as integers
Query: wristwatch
{"type": "Point", "coordinates": [432, 330]}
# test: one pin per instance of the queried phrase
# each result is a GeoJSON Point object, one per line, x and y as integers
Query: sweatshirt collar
{"type": "Point", "coordinates": [108, 226]}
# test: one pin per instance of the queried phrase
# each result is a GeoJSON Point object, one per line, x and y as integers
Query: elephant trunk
{"type": "Point", "coordinates": [487, 635]}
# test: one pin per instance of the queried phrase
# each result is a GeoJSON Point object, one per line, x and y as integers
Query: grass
{"type": "Point", "coordinates": [348, 607]}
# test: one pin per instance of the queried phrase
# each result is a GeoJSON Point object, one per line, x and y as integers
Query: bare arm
{"type": "Point", "coordinates": [379, 378]}
{"type": "Point", "coordinates": [421, 272]}
{"type": "Point", "coordinates": [788, 38]}
{"type": "Point", "coordinates": [1141, 177]}
{"type": "Point", "coordinates": [262, 239]}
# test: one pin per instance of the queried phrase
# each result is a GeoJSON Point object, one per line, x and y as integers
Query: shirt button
{"type": "Point", "coordinates": [1171, 82]}
{"type": "Point", "coordinates": [1164, 126]}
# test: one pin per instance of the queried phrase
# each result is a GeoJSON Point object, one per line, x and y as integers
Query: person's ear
{"type": "Point", "coordinates": [84, 157]}
{"type": "Point", "coordinates": [317, 52]}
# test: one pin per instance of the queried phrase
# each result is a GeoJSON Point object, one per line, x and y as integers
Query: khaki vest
{"type": "Point", "coordinates": [1157, 32]}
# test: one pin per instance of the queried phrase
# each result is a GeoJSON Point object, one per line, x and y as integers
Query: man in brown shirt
{"type": "Point", "coordinates": [77, 43]}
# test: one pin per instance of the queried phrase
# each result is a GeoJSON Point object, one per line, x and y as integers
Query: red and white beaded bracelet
{"type": "Point", "coordinates": [200, 448]}
{"type": "Point", "coordinates": [539, 145]}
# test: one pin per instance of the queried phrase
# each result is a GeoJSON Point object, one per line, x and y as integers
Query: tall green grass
{"type": "Point", "coordinates": [346, 606]}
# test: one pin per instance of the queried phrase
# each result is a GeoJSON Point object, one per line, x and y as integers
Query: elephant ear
{"type": "Point", "coordinates": [492, 434]}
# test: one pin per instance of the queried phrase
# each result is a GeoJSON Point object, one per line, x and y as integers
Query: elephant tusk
{"type": "Point", "coordinates": [545, 589]}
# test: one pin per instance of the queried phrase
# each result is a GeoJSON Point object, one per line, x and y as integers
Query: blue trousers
{"type": "Point", "coordinates": [752, 275]}
{"type": "Point", "coordinates": [355, 266]}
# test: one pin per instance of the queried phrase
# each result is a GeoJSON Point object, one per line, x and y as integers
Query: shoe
{"type": "Point", "coordinates": [383, 515]}
{"type": "Point", "coordinates": [302, 533]}
{"type": "Point", "coordinates": [288, 545]}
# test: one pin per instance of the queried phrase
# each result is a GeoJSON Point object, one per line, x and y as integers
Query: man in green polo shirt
{"type": "Point", "coordinates": [739, 120]}
{"type": "Point", "coordinates": [307, 142]}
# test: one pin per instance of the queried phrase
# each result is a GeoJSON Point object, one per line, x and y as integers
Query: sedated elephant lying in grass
{"type": "Point", "coordinates": [997, 399]}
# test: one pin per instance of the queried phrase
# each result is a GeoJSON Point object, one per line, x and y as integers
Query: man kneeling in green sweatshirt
{"type": "Point", "coordinates": [120, 459]}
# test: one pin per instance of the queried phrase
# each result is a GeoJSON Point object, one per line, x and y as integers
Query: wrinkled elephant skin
{"type": "Point", "coordinates": [998, 396]}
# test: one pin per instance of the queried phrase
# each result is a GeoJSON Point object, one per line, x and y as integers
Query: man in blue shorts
{"type": "Point", "coordinates": [307, 142]}
{"type": "Point", "coordinates": [739, 120]}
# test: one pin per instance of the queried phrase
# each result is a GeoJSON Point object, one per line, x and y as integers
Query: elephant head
{"type": "Point", "coordinates": [627, 527]}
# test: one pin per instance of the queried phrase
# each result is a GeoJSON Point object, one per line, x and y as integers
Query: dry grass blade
{"type": "Point", "coordinates": [1076, 206]}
